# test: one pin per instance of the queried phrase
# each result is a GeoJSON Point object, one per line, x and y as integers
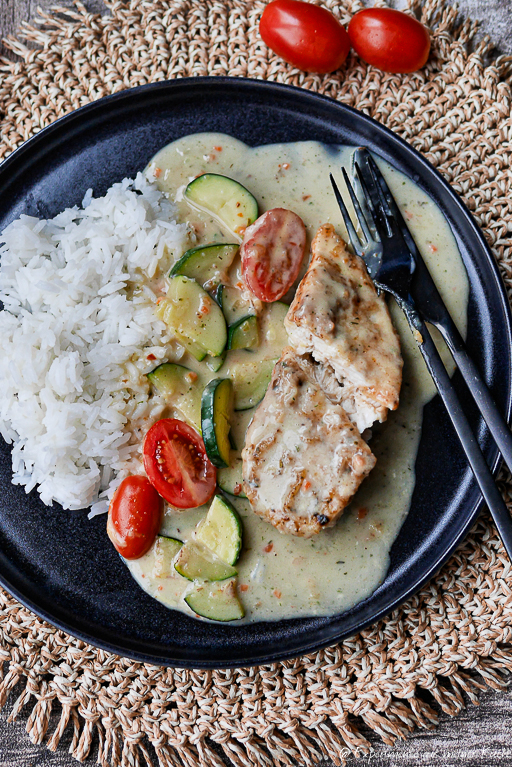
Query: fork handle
{"type": "Point", "coordinates": [481, 394]}
{"type": "Point", "coordinates": [468, 440]}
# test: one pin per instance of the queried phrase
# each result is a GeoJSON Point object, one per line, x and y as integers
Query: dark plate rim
{"type": "Point", "coordinates": [494, 457]}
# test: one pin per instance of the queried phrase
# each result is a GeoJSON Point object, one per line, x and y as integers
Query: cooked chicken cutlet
{"type": "Point", "coordinates": [303, 458]}
{"type": "Point", "coordinates": [338, 318]}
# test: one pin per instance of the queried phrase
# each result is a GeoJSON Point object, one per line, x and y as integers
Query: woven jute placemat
{"type": "Point", "coordinates": [449, 641]}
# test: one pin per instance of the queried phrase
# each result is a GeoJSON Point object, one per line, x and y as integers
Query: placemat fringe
{"type": "Point", "coordinates": [39, 719]}
{"type": "Point", "coordinates": [64, 718]}
{"type": "Point", "coordinates": [330, 736]}
{"type": "Point", "coordinates": [280, 747]}
{"type": "Point", "coordinates": [449, 642]}
{"type": "Point", "coordinates": [166, 757]}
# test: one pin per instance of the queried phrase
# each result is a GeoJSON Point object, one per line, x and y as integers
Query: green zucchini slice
{"type": "Point", "coordinates": [215, 363]}
{"type": "Point", "coordinates": [216, 601]}
{"type": "Point", "coordinates": [234, 306]}
{"type": "Point", "coordinates": [244, 333]}
{"type": "Point", "coordinates": [195, 350]}
{"type": "Point", "coordinates": [221, 530]}
{"type": "Point", "coordinates": [165, 552]}
{"type": "Point", "coordinates": [230, 479]}
{"type": "Point", "coordinates": [216, 412]}
{"type": "Point", "coordinates": [192, 314]}
{"type": "Point", "coordinates": [179, 386]}
{"type": "Point", "coordinates": [198, 562]}
{"type": "Point", "coordinates": [206, 264]}
{"type": "Point", "coordinates": [230, 202]}
{"type": "Point", "coordinates": [250, 382]}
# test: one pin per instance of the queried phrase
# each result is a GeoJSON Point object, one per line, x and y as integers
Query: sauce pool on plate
{"type": "Point", "coordinates": [283, 576]}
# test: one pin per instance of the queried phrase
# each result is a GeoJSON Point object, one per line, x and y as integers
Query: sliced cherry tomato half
{"type": "Point", "coordinates": [390, 40]}
{"type": "Point", "coordinates": [307, 36]}
{"type": "Point", "coordinates": [272, 251]}
{"type": "Point", "coordinates": [177, 465]}
{"type": "Point", "coordinates": [134, 517]}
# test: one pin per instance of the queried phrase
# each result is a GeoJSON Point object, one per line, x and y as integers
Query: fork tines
{"type": "Point", "coordinates": [352, 234]}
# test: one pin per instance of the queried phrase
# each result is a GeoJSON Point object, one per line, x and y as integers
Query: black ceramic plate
{"type": "Point", "coordinates": [61, 565]}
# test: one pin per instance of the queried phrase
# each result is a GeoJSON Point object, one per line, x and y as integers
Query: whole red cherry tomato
{"type": "Point", "coordinates": [389, 39]}
{"type": "Point", "coordinates": [177, 465]}
{"type": "Point", "coordinates": [307, 36]}
{"type": "Point", "coordinates": [272, 251]}
{"type": "Point", "coordinates": [134, 517]}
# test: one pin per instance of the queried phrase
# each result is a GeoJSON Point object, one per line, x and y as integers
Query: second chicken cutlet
{"type": "Point", "coordinates": [303, 458]}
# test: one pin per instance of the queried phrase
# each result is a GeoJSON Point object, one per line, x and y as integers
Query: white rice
{"type": "Point", "coordinates": [79, 292]}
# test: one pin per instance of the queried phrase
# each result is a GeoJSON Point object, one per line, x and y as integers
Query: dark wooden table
{"type": "Point", "coordinates": [481, 736]}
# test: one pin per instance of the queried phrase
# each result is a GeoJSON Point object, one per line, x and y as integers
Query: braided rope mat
{"type": "Point", "coordinates": [453, 638]}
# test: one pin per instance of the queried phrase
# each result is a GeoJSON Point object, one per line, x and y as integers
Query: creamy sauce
{"type": "Point", "coordinates": [282, 576]}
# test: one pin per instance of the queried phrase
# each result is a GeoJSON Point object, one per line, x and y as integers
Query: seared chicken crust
{"type": "Point", "coordinates": [338, 318]}
{"type": "Point", "coordinates": [303, 458]}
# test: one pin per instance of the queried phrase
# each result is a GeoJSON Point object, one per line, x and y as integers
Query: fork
{"type": "Point", "coordinates": [433, 310]}
{"type": "Point", "coordinates": [391, 265]}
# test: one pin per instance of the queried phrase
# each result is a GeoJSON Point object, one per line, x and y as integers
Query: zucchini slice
{"type": "Point", "coordinates": [192, 314]}
{"type": "Point", "coordinates": [179, 386]}
{"type": "Point", "coordinates": [218, 602]}
{"type": "Point", "coordinates": [244, 333]}
{"type": "Point", "coordinates": [230, 202]}
{"type": "Point", "coordinates": [165, 551]}
{"type": "Point", "coordinates": [221, 530]}
{"type": "Point", "coordinates": [198, 562]}
{"type": "Point", "coordinates": [230, 479]}
{"type": "Point", "coordinates": [250, 382]}
{"type": "Point", "coordinates": [232, 303]}
{"type": "Point", "coordinates": [195, 350]}
{"type": "Point", "coordinates": [206, 264]}
{"type": "Point", "coordinates": [215, 363]}
{"type": "Point", "coordinates": [216, 412]}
